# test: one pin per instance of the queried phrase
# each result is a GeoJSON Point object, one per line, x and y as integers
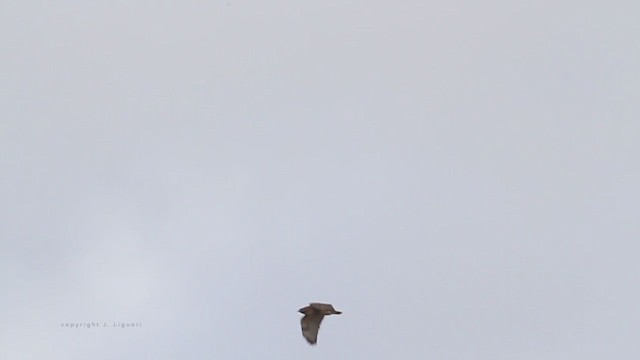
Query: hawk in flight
{"type": "Point", "coordinates": [313, 315]}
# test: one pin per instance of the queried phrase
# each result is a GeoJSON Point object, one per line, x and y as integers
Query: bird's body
{"type": "Point", "coordinates": [313, 315]}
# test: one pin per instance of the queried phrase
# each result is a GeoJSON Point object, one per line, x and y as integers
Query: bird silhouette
{"type": "Point", "coordinates": [313, 315]}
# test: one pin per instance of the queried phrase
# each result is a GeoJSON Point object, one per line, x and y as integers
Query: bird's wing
{"type": "Point", "coordinates": [310, 327]}
{"type": "Point", "coordinates": [322, 307]}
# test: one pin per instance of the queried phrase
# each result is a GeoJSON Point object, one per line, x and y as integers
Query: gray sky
{"type": "Point", "coordinates": [459, 177]}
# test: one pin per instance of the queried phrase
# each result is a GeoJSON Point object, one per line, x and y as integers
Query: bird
{"type": "Point", "coordinates": [313, 315]}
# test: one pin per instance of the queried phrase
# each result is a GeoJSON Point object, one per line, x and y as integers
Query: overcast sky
{"type": "Point", "coordinates": [461, 178]}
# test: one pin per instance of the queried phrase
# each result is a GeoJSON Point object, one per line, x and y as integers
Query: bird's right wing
{"type": "Point", "coordinates": [310, 327]}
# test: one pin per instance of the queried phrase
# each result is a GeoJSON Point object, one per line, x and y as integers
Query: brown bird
{"type": "Point", "coordinates": [313, 315]}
